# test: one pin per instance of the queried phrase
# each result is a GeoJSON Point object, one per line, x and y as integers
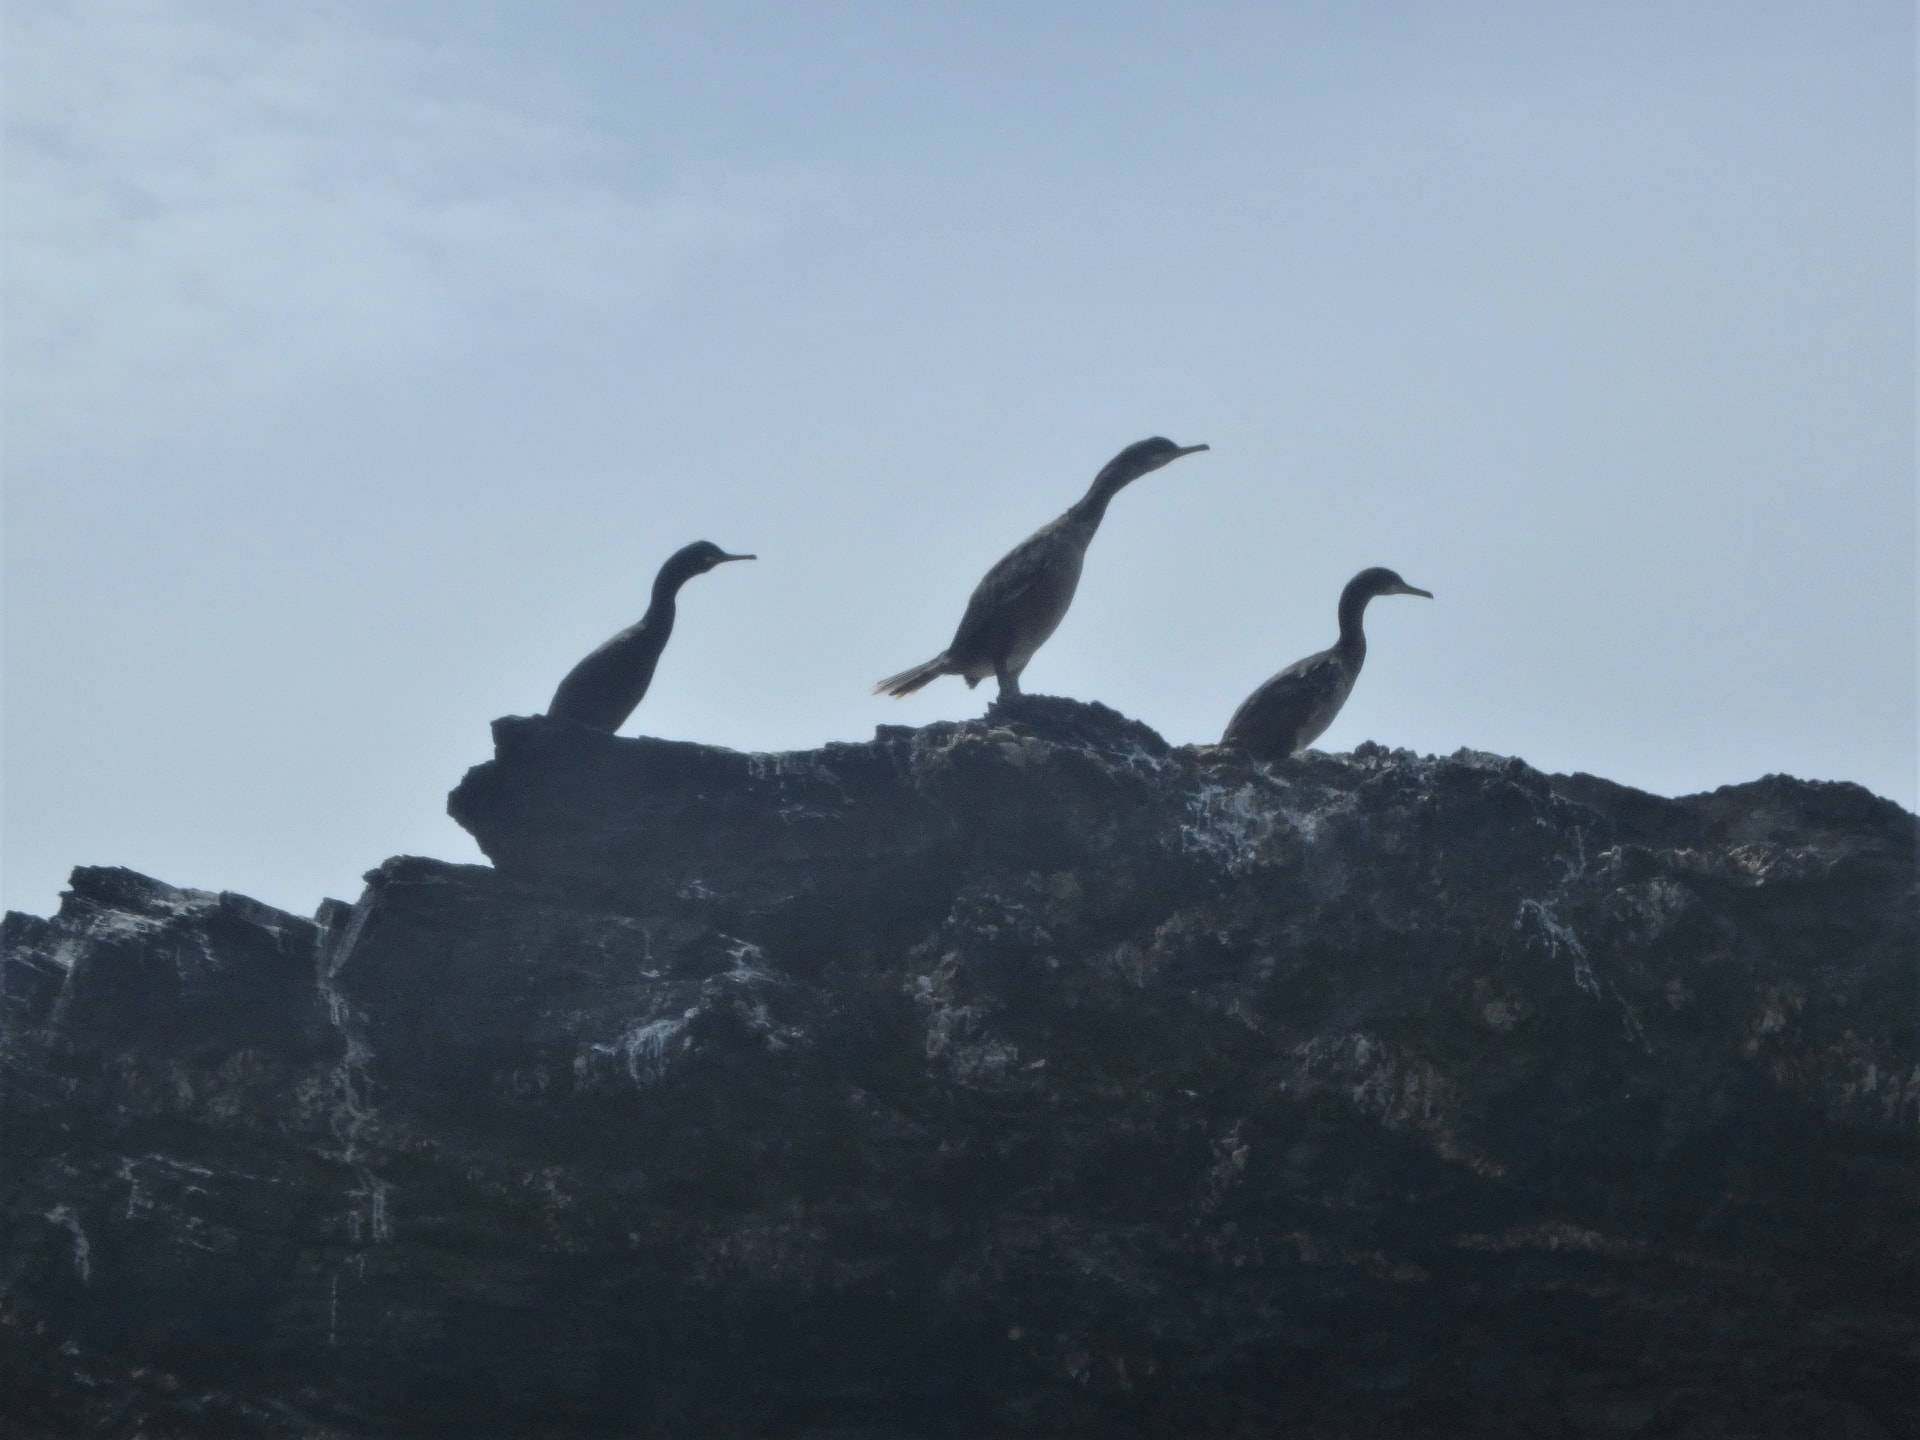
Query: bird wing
{"type": "Point", "coordinates": [1311, 673]}
{"type": "Point", "coordinates": [1003, 588]}
{"type": "Point", "coordinates": [606, 687]}
{"type": "Point", "coordinates": [1292, 708]}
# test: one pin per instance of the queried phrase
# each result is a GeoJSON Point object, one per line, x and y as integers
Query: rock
{"type": "Point", "coordinates": [1024, 1076]}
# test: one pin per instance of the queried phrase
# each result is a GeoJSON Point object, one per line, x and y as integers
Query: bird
{"type": "Point", "coordinates": [1295, 706]}
{"type": "Point", "coordinates": [1022, 599]}
{"type": "Point", "coordinates": [605, 688]}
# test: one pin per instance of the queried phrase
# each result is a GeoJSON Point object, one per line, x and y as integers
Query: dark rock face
{"type": "Point", "coordinates": [1022, 1077]}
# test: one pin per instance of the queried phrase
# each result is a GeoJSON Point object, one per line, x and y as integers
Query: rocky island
{"type": "Point", "coordinates": [1022, 1077]}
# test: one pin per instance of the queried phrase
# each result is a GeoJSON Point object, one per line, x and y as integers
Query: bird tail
{"type": "Point", "coordinates": [908, 681]}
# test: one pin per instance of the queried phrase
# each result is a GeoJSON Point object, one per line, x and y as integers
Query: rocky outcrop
{"type": "Point", "coordinates": [1019, 1077]}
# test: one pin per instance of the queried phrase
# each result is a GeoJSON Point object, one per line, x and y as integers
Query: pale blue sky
{"type": "Point", "coordinates": [363, 361]}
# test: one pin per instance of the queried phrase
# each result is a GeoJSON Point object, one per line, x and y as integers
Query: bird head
{"type": "Point", "coordinates": [1381, 581]}
{"type": "Point", "coordinates": [1141, 458]}
{"type": "Point", "coordinates": [692, 560]}
{"type": "Point", "coordinates": [703, 555]}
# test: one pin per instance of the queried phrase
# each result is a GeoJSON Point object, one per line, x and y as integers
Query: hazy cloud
{"type": "Point", "coordinates": [209, 205]}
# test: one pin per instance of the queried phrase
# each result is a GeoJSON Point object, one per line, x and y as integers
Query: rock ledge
{"type": "Point", "coordinates": [1024, 1076]}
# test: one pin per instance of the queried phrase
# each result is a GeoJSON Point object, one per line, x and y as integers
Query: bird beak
{"type": "Point", "coordinates": [1189, 450]}
{"type": "Point", "coordinates": [724, 558]}
{"type": "Point", "coordinates": [1412, 590]}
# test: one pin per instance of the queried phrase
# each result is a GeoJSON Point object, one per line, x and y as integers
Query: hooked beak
{"type": "Point", "coordinates": [724, 558]}
{"type": "Point", "coordinates": [1189, 450]}
{"type": "Point", "coordinates": [1412, 590]}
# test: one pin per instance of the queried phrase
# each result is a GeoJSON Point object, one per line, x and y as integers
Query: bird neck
{"type": "Point", "coordinates": [666, 585]}
{"type": "Point", "coordinates": [1353, 639]}
{"type": "Point", "coordinates": [1090, 509]}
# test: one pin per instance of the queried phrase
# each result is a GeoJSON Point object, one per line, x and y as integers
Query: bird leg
{"type": "Point", "coordinates": [1009, 679]}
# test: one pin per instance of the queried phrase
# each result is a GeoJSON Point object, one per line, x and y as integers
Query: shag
{"type": "Point", "coordinates": [1022, 599]}
{"type": "Point", "coordinates": [603, 689]}
{"type": "Point", "coordinates": [1295, 706]}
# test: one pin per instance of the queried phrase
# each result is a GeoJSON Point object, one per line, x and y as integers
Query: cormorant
{"type": "Point", "coordinates": [1295, 706]}
{"type": "Point", "coordinates": [603, 689]}
{"type": "Point", "coordinates": [1020, 601]}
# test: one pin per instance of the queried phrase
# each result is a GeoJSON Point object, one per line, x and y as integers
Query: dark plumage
{"type": "Point", "coordinates": [603, 689]}
{"type": "Point", "coordinates": [1022, 599]}
{"type": "Point", "coordinates": [1295, 706]}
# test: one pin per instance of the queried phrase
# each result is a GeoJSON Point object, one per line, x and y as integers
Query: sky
{"type": "Point", "coordinates": [363, 361]}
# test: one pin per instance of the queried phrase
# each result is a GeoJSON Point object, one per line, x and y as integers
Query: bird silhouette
{"type": "Point", "coordinates": [1295, 706]}
{"type": "Point", "coordinates": [1022, 599]}
{"type": "Point", "coordinates": [604, 689]}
